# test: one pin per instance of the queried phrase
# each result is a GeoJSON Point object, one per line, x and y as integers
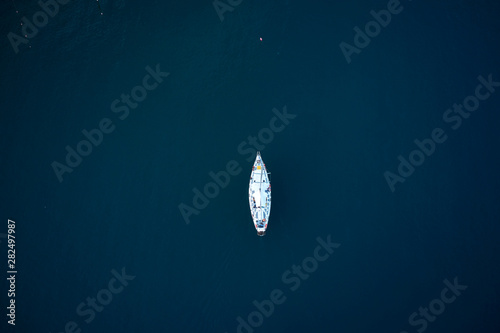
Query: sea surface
{"type": "Point", "coordinates": [385, 212]}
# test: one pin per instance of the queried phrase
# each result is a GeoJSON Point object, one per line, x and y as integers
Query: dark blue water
{"type": "Point", "coordinates": [104, 247]}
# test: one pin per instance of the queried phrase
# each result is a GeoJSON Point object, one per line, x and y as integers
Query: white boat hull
{"type": "Point", "coordinates": [259, 195]}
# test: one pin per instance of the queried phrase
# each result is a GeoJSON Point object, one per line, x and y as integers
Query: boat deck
{"type": "Point", "coordinates": [259, 194]}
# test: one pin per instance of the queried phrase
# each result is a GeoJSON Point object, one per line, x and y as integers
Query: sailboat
{"type": "Point", "coordinates": [259, 195]}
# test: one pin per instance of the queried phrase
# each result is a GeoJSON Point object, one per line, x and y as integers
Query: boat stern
{"type": "Point", "coordinates": [261, 227]}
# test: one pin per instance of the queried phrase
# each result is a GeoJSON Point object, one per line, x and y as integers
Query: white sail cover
{"type": "Point", "coordinates": [259, 195]}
